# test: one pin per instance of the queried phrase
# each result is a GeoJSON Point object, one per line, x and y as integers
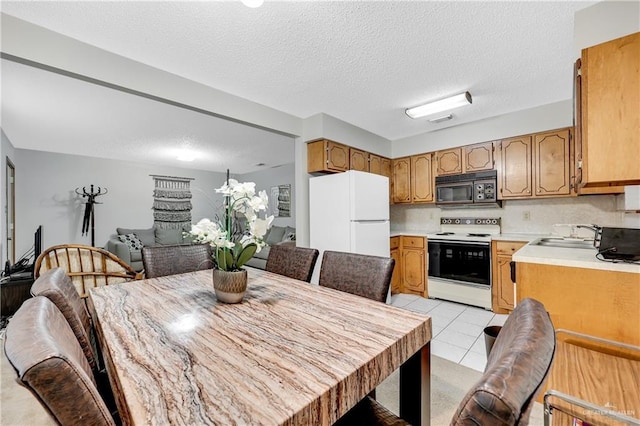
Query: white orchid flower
{"type": "Point", "coordinates": [259, 227]}
{"type": "Point", "coordinates": [243, 202]}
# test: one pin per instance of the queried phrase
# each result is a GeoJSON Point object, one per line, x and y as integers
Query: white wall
{"type": "Point", "coordinates": [544, 213]}
{"type": "Point", "coordinates": [275, 176]}
{"type": "Point", "coordinates": [546, 117]}
{"type": "Point", "coordinates": [45, 184]}
{"type": "Point", "coordinates": [605, 21]}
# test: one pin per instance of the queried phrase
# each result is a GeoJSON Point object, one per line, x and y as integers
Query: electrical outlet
{"type": "Point", "coordinates": [526, 215]}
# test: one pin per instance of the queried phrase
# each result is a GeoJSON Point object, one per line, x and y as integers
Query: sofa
{"type": "Point", "coordinates": [275, 235]}
{"type": "Point", "coordinates": [127, 243]}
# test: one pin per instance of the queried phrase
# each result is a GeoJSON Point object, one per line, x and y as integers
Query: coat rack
{"type": "Point", "coordinates": [88, 211]}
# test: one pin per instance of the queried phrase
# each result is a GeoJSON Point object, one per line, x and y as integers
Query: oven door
{"type": "Point", "coordinates": [464, 262]}
{"type": "Point", "coordinates": [454, 193]}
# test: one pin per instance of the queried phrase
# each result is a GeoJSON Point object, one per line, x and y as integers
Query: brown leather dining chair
{"type": "Point", "coordinates": [359, 274]}
{"type": "Point", "coordinates": [55, 285]}
{"type": "Point", "coordinates": [517, 367]}
{"type": "Point", "coordinates": [292, 262]}
{"type": "Point", "coordinates": [48, 360]}
{"type": "Point", "coordinates": [160, 261]}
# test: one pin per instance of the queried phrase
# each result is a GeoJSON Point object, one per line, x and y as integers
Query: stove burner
{"type": "Point", "coordinates": [445, 233]}
{"type": "Point", "coordinates": [477, 235]}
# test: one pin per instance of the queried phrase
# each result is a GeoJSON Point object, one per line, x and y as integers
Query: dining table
{"type": "Point", "coordinates": [291, 353]}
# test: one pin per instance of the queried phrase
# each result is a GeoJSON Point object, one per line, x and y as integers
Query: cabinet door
{"type": "Point", "coordinates": [413, 271]}
{"type": "Point", "coordinates": [421, 178]}
{"type": "Point", "coordinates": [385, 170]}
{"type": "Point", "coordinates": [503, 284]}
{"type": "Point", "coordinates": [449, 162]}
{"type": "Point", "coordinates": [396, 278]}
{"type": "Point", "coordinates": [515, 167]}
{"type": "Point", "coordinates": [337, 156]}
{"type": "Point", "coordinates": [552, 163]}
{"type": "Point", "coordinates": [478, 157]}
{"type": "Point", "coordinates": [359, 160]}
{"type": "Point", "coordinates": [375, 164]}
{"type": "Point", "coordinates": [402, 180]}
{"type": "Point", "coordinates": [610, 113]}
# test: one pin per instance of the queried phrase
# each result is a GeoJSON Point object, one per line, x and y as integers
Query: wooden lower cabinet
{"type": "Point", "coordinates": [396, 278]}
{"type": "Point", "coordinates": [502, 289]}
{"type": "Point", "coordinates": [597, 302]}
{"type": "Point", "coordinates": [410, 274]}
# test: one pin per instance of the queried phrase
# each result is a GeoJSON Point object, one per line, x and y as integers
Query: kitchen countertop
{"type": "Point", "coordinates": [503, 237]}
{"type": "Point", "coordinates": [570, 257]}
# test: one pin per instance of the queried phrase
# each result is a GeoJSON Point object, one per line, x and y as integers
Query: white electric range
{"type": "Point", "coordinates": [460, 260]}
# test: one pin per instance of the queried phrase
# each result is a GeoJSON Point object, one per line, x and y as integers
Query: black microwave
{"type": "Point", "coordinates": [477, 189]}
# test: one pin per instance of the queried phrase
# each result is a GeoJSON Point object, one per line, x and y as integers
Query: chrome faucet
{"type": "Point", "coordinates": [596, 232]}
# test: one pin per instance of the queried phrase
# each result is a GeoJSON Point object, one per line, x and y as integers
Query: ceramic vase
{"type": "Point", "coordinates": [230, 286]}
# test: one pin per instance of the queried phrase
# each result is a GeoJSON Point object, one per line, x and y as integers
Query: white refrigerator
{"type": "Point", "coordinates": [349, 212]}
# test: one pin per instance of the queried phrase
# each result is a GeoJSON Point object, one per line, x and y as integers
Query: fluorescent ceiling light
{"type": "Point", "coordinates": [441, 119]}
{"type": "Point", "coordinates": [438, 106]}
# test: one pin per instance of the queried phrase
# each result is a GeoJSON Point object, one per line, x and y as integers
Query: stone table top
{"type": "Point", "coordinates": [290, 353]}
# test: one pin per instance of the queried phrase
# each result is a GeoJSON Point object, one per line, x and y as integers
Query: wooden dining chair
{"type": "Point", "coordinates": [160, 261]}
{"type": "Point", "coordinates": [517, 367]}
{"type": "Point", "coordinates": [360, 274]}
{"type": "Point", "coordinates": [55, 285]}
{"type": "Point", "coordinates": [49, 361]}
{"type": "Point", "coordinates": [292, 262]}
{"type": "Point", "coordinates": [87, 266]}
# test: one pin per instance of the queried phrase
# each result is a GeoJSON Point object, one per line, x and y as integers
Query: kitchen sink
{"type": "Point", "coordinates": [561, 242]}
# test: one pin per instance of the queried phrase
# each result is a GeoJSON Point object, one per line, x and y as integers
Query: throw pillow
{"type": "Point", "coordinates": [275, 235]}
{"type": "Point", "coordinates": [291, 236]}
{"type": "Point", "coordinates": [147, 236]}
{"type": "Point", "coordinates": [131, 241]}
{"type": "Point", "coordinates": [168, 237]}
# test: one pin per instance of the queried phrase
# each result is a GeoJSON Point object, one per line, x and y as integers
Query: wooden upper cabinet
{"type": "Point", "coordinates": [552, 174]}
{"type": "Point", "coordinates": [515, 168]}
{"type": "Point", "coordinates": [402, 180]}
{"type": "Point", "coordinates": [422, 178]}
{"type": "Point", "coordinates": [478, 157]}
{"type": "Point", "coordinates": [375, 164]}
{"type": "Point", "coordinates": [449, 161]}
{"type": "Point", "coordinates": [465, 159]}
{"type": "Point", "coordinates": [538, 165]}
{"type": "Point", "coordinates": [327, 156]}
{"type": "Point", "coordinates": [611, 113]}
{"type": "Point", "coordinates": [359, 160]}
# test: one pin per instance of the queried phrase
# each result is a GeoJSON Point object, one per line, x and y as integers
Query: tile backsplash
{"type": "Point", "coordinates": [542, 214]}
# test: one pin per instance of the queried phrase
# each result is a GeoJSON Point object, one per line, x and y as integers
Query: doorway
{"type": "Point", "coordinates": [11, 211]}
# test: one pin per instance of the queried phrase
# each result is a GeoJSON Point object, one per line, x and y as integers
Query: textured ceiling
{"type": "Point", "coordinates": [362, 62]}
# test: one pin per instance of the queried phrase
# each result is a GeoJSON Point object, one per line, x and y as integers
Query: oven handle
{"type": "Point", "coordinates": [476, 243]}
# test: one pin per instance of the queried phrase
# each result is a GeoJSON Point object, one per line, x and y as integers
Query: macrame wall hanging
{"type": "Point", "coordinates": [172, 202]}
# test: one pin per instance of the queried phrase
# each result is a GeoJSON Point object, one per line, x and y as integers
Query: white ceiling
{"type": "Point", "coordinates": [362, 62]}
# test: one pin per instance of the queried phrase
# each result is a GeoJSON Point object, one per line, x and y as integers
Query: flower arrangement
{"type": "Point", "coordinates": [239, 234]}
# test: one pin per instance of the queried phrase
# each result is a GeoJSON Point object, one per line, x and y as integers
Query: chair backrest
{"type": "Point", "coordinates": [517, 366]}
{"type": "Point", "coordinates": [160, 261]}
{"type": "Point", "coordinates": [292, 262]}
{"type": "Point", "coordinates": [87, 266]}
{"type": "Point", "coordinates": [56, 286]}
{"type": "Point", "coordinates": [363, 275]}
{"type": "Point", "coordinates": [43, 350]}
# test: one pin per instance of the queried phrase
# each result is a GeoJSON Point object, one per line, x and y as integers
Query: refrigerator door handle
{"type": "Point", "coordinates": [371, 221]}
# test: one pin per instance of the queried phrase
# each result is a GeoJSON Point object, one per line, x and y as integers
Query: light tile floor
{"type": "Point", "coordinates": [457, 328]}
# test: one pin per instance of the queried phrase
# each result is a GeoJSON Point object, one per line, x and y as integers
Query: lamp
{"type": "Point", "coordinates": [438, 106]}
